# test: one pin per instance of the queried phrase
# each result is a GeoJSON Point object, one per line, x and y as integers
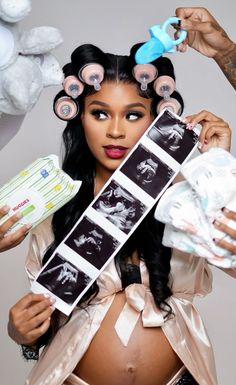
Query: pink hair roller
{"type": "Point", "coordinates": [144, 74]}
{"type": "Point", "coordinates": [164, 86]}
{"type": "Point", "coordinates": [66, 108]}
{"type": "Point", "coordinates": [72, 86]}
{"type": "Point", "coordinates": [93, 75]}
{"type": "Point", "coordinates": [171, 104]}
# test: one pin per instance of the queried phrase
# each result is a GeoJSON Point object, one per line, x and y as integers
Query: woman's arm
{"type": "Point", "coordinates": [29, 318]}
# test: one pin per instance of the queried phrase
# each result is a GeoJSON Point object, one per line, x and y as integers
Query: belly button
{"type": "Point", "coordinates": [131, 368]}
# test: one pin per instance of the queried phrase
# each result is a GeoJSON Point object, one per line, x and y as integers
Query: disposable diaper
{"type": "Point", "coordinates": [189, 208]}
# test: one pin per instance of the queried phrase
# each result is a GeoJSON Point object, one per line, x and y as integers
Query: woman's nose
{"type": "Point", "coordinates": [115, 129]}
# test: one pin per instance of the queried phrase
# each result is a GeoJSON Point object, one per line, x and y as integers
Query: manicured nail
{"type": "Point", "coordinates": [205, 141]}
{"type": "Point", "coordinates": [52, 300]}
{"type": "Point", "coordinates": [216, 223]}
{"type": "Point", "coordinates": [19, 215]}
{"type": "Point", "coordinates": [199, 145]}
{"type": "Point", "coordinates": [5, 209]}
{"type": "Point", "coordinates": [183, 24]}
{"type": "Point", "coordinates": [190, 126]}
{"type": "Point", "coordinates": [225, 210]}
{"type": "Point", "coordinates": [46, 295]}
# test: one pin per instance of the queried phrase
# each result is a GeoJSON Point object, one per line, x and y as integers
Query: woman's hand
{"type": "Point", "coordinates": [215, 131]}
{"type": "Point", "coordinates": [220, 225]}
{"type": "Point", "coordinates": [7, 241]}
{"type": "Point", "coordinates": [29, 318]}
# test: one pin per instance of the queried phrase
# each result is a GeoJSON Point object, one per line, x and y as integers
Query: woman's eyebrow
{"type": "Point", "coordinates": [103, 104]}
{"type": "Point", "coordinates": [138, 104]}
{"type": "Point", "coordinates": [98, 102]}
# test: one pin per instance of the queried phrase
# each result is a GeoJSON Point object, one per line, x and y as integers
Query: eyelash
{"type": "Point", "coordinates": [137, 114]}
{"type": "Point", "coordinates": [96, 113]}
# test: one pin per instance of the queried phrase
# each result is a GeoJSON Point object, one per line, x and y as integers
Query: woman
{"type": "Point", "coordinates": [137, 324]}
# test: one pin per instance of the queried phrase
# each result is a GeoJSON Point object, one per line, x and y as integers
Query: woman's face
{"type": "Point", "coordinates": [114, 119]}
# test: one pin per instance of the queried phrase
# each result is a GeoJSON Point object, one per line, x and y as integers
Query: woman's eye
{"type": "Point", "coordinates": [134, 115]}
{"type": "Point", "coordinates": [99, 114]}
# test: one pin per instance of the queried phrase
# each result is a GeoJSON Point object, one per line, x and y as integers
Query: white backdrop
{"type": "Point", "coordinates": [115, 27]}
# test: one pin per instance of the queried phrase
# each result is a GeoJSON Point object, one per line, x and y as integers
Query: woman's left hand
{"type": "Point", "coordinates": [215, 131]}
{"type": "Point", "coordinates": [220, 225]}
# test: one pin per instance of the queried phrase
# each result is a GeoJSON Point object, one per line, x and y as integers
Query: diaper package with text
{"type": "Point", "coordinates": [37, 191]}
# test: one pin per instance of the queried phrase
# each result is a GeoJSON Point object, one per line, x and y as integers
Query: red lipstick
{"type": "Point", "coordinates": [115, 152]}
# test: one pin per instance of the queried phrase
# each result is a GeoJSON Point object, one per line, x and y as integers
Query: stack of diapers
{"type": "Point", "coordinates": [37, 192]}
{"type": "Point", "coordinates": [189, 208]}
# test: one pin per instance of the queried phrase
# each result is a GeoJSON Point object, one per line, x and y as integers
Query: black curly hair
{"type": "Point", "coordinates": [79, 163]}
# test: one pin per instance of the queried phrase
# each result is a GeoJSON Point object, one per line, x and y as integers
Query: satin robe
{"type": "Point", "coordinates": [190, 276]}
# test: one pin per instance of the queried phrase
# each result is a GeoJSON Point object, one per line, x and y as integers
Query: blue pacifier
{"type": "Point", "coordinates": [159, 43]}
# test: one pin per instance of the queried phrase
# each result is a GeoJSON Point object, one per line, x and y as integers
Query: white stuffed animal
{"type": "Point", "coordinates": [26, 64]}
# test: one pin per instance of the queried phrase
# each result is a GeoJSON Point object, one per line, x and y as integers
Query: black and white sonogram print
{"type": "Point", "coordinates": [92, 242]}
{"type": "Point", "coordinates": [147, 171]}
{"type": "Point", "coordinates": [63, 279]}
{"type": "Point", "coordinates": [173, 137]}
{"type": "Point", "coordinates": [119, 206]}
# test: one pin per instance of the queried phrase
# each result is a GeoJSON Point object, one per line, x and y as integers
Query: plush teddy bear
{"type": "Point", "coordinates": [26, 64]}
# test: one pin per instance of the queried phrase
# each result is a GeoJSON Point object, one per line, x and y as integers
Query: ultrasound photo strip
{"type": "Point", "coordinates": [116, 211]}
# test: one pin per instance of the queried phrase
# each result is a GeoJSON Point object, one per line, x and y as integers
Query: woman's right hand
{"type": "Point", "coordinates": [8, 241]}
{"type": "Point", "coordinates": [30, 318]}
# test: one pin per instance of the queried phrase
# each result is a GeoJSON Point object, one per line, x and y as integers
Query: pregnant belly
{"type": "Point", "coordinates": [147, 360]}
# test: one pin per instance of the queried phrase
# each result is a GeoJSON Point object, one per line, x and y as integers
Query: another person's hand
{"type": "Point", "coordinates": [215, 131]}
{"type": "Point", "coordinates": [29, 318]}
{"type": "Point", "coordinates": [220, 225]}
{"type": "Point", "coordinates": [7, 241]}
{"type": "Point", "coordinates": [205, 35]}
